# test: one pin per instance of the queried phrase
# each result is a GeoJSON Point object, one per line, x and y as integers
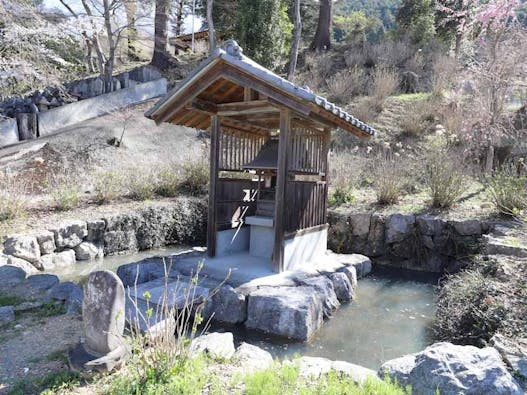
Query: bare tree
{"type": "Point", "coordinates": [322, 39]}
{"type": "Point", "coordinates": [210, 22]}
{"type": "Point", "coordinates": [296, 40]}
{"type": "Point", "coordinates": [178, 15]}
{"type": "Point", "coordinates": [112, 14]}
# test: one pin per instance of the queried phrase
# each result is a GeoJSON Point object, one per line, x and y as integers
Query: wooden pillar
{"type": "Point", "coordinates": [214, 161]}
{"type": "Point", "coordinates": [281, 181]}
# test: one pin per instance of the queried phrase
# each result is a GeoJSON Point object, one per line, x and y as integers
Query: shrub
{"type": "Point", "coordinates": [108, 186]}
{"type": "Point", "coordinates": [443, 178]}
{"type": "Point", "coordinates": [508, 190]}
{"type": "Point", "coordinates": [168, 181]}
{"type": "Point", "coordinates": [417, 119]}
{"type": "Point", "coordinates": [65, 193]}
{"type": "Point", "coordinates": [141, 184]}
{"type": "Point", "coordinates": [343, 86]}
{"type": "Point", "coordinates": [389, 178]}
{"type": "Point", "coordinates": [384, 84]}
{"type": "Point", "coordinates": [469, 309]}
{"type": "Point", "coordinates": [13, 203]}
{"type": "Point", "coordinates": [195, 177]}
{"type": "Point", "coordinates": [342, 194]}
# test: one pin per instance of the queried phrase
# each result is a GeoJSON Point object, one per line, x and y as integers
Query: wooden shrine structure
{"type": "Point", "coordinates": [268, 156]}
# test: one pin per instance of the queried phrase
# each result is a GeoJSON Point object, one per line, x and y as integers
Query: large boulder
{"type": "Point", "coordinates": [342, 286]}
{"type": "Point", "coordinates": [58, 259]}
{"type": "Point", "coordinates": [70, 235]}
{"type": "Point", "coordinates": [325, 291]}
{"type": "Point", "coordinates": [216, 345]}
{"type": "Point", "coordinates": [360, 224]}
{"type": "Point", "coordinates": [398, 227]}
{"type": "Point", "coordinates": [142, 271]}
{"type": "Point", "coordinates": [252, 358]}
{"type": "Point", "coordinates": [315, 367]}
{"type": "Point", "coordinates": [69, 293]}
{"type": "Point", "coordinates": [469, 227]}
{"type": "Point", "coordinates": [291, 312]}
{"type": "Point", "coordinates": [514, 353]}
{"type": "Point", "coordinates": [429, 225]}
{"type": "Point", "coordinates": [351, 273]}
{"type": "Point", "coordinates": [118, 241]}
{"type": "Point", "coordinates": [226, 305]}
{"type": "Point", "coordinates": [452, 370]}
{"type": "Point", "coordinates": [96, 231]}
{"type": "Point", "coordinates": [46, 242]}
{"type": "Point", "coordinates": [11, 276]}
{"type": "Point", "coordinates": [87, 251]}
{"type": "Point", "coordinates": [7, 315]}
{"type": "Point", "coordinates": [26, 266]}
{"type": "Point", "coordinates": [41, 282]}
{"type": "Point", "coordinates": [24, 247]}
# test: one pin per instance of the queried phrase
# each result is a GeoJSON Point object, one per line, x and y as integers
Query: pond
{"type": "Point", "coordinates": [390, 317]}
{"type": "Point", "coordinates": [81, 269]}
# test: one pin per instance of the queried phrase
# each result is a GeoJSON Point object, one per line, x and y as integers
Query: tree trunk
{"type": "Point", "coordinates": [131, 32]}
{"type": "Point", "coordinates": [210, 22]}
{"type": "Point", "coordinates": [296, 41]}
{"type": "Point", "coordinates": [322, 40]}
{"type": "Point", "coordinates": [161, 57]}
{"type": "Point", "coordinates": [179, 17]}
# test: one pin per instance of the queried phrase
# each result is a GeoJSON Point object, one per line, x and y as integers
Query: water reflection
{"type": "Point", "coordinates": [390, 317]}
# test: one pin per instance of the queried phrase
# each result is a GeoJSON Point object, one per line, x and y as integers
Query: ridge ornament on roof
{"type": "Point", "coordinates": [229, 63]}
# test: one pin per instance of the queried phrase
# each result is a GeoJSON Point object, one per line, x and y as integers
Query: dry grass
{"type": "Point", "coordinates": [13, 200]}
{"type": "Point", "coordinates": [65, 192]}
{"type": "Point", "coordinates": [443, 177]}
{"type": "Point", "coordinates": [417, 119]}
{"type": "Point", "coordinates": [385, 83]}
{"type": "Point", "coordinates": [389, 178]}
{"type": "Point", "coordinates": [345, 85]}
{"type": "Point", "coordinates": [108, 186]}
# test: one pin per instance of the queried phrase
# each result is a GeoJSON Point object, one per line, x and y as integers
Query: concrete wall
{"type": "Point", "coordinates": [8, 132]}
{"type": "Point", "coordinates": [304, 248]}
{"type": "Point", "coordinates": [232, 240]}
{"type": "Point", "coordinates": [53, 120]}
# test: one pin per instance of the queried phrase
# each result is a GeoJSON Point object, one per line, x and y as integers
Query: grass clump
{"type": "Point", "coordinates": [194, 178]}
{"type": "Point", "coordinates": [51, 309]}
{"type": "Point", "coordinates": [13, 202]}
{"type": "Point", "coordinates": [49, 384]}
{"type": "Point", "coordinates": [168, 181]}
{"type": "Point", "coordinates": [141, 184]}
{"type": "Point", "coordinates": [6, 300]}
{"type": "Point", "coordinates": [65, 194]}
{"type": "Point", "coordinates": [508, 190]}
{"type": "Point", "coordinates": [286, 380]}
{"type": "Point", "coordinates": [108, 186]}
{"type": "Point", "coordinates": [389, 178]}
{"type": "Point", "coordinates": [443, 178]}
{"type": "Point", "coordinates": [345, 85]}
{"type": "Point", "coordinates": [385, 83]}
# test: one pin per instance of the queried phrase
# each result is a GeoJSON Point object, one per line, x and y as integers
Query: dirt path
{"type": "Point", "coordinates": [34, 346]}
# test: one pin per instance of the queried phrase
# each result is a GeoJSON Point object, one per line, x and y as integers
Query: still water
{"type": "Point", "coordinates": [390, 317]}
{"type": "Point", "coordinates": [81, 269]}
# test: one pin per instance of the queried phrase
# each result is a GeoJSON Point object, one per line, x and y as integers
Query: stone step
{"type": "Point", "coordinates": [495, 245]}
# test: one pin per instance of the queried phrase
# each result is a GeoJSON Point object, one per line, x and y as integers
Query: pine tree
{"type": "Point", "coordinates": [417, 18]}
{"type": "Point", "coordinates": [264, 30]}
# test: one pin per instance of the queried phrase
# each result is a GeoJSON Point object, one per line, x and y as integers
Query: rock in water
{"type": "Point", "coordinates": [452, 370]}
{"type": "Point", "coordinates": [293, 312]}
{"type": "Point", "coordinates": [103, 314]}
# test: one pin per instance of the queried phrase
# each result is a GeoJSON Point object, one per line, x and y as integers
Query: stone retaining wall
{"type": "Point", "coordinates": [416, 242]}
{"type": "Point", "coordinates": [183, 222]}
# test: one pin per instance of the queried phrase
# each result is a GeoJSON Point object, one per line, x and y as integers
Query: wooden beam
{"type": "Point", "coordinates": [245, 107]}
{"type": "Point", "coordinates": [281, 181]}
{"type": "Point", "coordinates": [215, 130]}
{"type": "Point", "coordinates": [241, 78]}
